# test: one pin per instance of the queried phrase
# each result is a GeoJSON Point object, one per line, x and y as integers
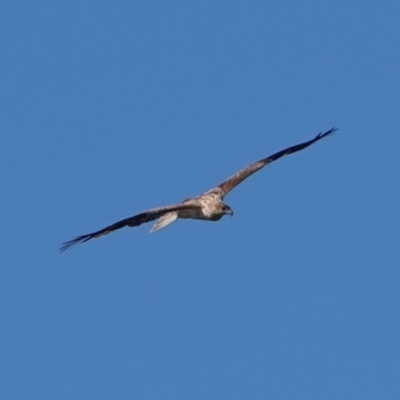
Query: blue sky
{"type": "Point", "coordinates": [110, 108]}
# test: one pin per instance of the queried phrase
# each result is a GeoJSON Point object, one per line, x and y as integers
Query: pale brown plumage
{"type": "Point", "coordinates": [208, 206]}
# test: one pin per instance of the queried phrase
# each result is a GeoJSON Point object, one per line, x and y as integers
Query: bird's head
{"type": "Point", "coordinates": [227, 210]}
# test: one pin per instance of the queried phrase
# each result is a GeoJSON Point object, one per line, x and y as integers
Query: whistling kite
{"type": "Point", "coordinates": [208, 206]}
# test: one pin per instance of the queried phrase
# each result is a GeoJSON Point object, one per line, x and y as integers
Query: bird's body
{"type": "Point", "coordinates": [208, 206]}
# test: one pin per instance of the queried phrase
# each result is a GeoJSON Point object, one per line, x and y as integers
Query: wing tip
{"type": "Point", "coordinates": [327, 133]}
{"type": "Point", "coordinates": [75, 241]}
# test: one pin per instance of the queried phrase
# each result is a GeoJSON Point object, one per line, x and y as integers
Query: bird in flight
{"type": "Point", "coordinates": [208, 206]}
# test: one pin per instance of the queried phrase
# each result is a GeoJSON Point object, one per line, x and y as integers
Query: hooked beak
{"type": "Point", "coordinates": [230, 213]}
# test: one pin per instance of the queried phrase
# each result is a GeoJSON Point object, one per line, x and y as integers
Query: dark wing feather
{"type": "Point", "coordinates": [234, 180]}
{"type": "Point", "coordinates": [136, 220]}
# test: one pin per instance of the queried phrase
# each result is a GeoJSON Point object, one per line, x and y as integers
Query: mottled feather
{"type": "Point", "coordinates": [240, 176]}
{"type": "Point", "coordinates": [136, 220]}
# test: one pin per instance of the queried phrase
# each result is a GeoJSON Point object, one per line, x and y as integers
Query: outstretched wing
{"type": "Point", "coordinates": [136, 220]}
{"type": "Point", "coordinates": [225, 187]}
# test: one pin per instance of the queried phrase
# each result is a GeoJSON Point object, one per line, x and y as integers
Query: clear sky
{"type": "Point", "coordinates": [110, 108]}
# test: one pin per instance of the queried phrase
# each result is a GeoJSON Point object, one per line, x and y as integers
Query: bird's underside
{"type": "Point", "coordinates": [208, 206]}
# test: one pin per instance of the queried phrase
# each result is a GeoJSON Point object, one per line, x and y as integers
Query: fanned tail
{"type": "Point", "coordinates": [164, 221]}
